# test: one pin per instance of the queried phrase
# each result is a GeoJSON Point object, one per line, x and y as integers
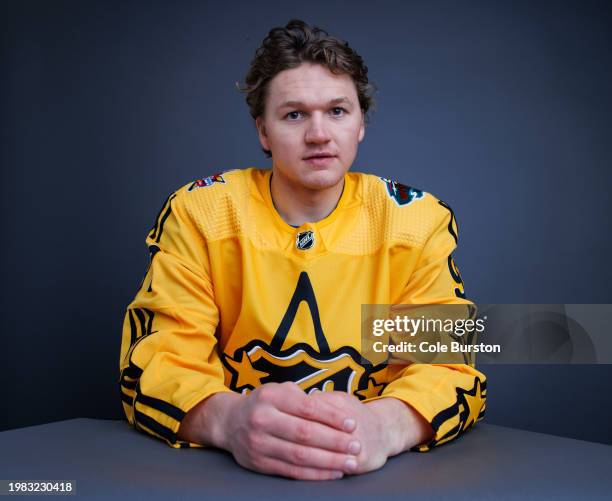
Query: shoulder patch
{"type": "Point", "coordinates": [207, 181]}
{"type": "Point", "coordinates": [400, 193]}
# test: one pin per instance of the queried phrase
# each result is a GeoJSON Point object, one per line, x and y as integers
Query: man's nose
{"type": "Point", "coordinates": [317, 131]}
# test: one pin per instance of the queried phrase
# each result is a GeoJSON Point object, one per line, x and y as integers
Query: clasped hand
{"type": "Point", "coordinates": [278, 429]}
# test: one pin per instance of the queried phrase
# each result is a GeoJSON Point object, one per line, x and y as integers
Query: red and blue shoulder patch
{"type": "Point", "coordinates": [207, 181]}
{"type": "Point", "coordinates": [400, 193]}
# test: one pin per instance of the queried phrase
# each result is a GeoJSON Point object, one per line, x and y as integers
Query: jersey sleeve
{"type": "Point", "coordinates": [451, 397]}
{"type": "Point", "coordinates": [169, 360]}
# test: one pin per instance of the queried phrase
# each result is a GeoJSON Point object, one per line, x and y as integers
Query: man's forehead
{"type": "Point", "coordinates": [311, 84]}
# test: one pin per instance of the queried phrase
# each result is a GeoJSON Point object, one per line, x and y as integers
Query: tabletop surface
{"type": "Point", "coordinates": [110, 460]}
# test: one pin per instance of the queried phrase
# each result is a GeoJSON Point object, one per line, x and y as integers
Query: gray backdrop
{"type": "Point", "coordinates": [499, 108]}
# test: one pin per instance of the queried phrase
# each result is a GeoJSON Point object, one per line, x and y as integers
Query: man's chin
{"type": "Point", "coordinates": [322, 179]}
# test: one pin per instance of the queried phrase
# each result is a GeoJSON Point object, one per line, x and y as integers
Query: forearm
{"type": "Point", "coordinates": [402, 426]}
{"type": "Point", "coordinates": [206, 423]}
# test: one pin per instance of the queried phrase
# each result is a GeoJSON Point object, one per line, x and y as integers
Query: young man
{"type": "Point", "coordinates": [252, 299]}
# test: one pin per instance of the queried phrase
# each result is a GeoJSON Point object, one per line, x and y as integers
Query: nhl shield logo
{"type": "Point", "coordinates": [305, 240]}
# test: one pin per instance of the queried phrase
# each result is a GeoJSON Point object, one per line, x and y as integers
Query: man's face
{"type": "Point", "coordinates": [312, 124]}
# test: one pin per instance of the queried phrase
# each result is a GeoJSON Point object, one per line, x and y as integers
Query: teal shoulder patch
{"type": "Point", "coordinates": [400, 193]}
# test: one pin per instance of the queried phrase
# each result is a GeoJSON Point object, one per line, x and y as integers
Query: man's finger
{"type": "Point", "coordinates": [275, 466]}
{"type": "Point", "coordinates": [306, 456]}
{"type": "Point", "coordinates": [338, 398]}
{"type": "Point", "coordinates": [311, 433]}
{"type": "Point", "coordinates": [297, 403]}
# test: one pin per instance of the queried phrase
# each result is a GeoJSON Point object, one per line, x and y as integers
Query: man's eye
{"type": "Point", "coordinates": [294, 115]}
{"type": "Point", "coordinates": [338, 111]}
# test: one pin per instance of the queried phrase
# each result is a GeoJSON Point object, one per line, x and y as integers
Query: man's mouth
{"type": "Point", "coordinates": [319, 155]}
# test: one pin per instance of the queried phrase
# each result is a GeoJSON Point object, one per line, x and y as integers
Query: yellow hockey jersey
{"type": "Point", "coordinates": [235, 297]}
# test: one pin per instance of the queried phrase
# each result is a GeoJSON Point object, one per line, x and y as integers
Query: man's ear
{"type": "Point", "coordinates": [261, 131]}
{"type": "Point", "coordinates": [362, 127]}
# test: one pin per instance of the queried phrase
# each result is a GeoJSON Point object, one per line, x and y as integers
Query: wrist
{"type": "Point", "coordinates": [206, 423]}
{"type": "Point", "coordinates": [224, 409]}
{"type": "Point", "coordinates": [392, 428]}
{"type": "Point", "coordinates": [402, 426]}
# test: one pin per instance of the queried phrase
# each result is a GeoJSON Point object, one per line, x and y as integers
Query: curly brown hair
{"type": "Point", "coordinates": [289, 46]}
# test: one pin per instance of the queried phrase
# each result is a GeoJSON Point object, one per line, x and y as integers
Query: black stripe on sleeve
{"type": "Point", "coordinates": [154, 426]}
{"type": "Point", "coordinates": [159, 405]}
{"type": "Point", "coordinates": [453, 410]}
{"type": "Point", "coordinates": [455, 431]}
{"type": "Point", "coordinates": [130, 385]}
{"type": "Point", "coordinates": [160, 228]}
{"type": "Point", "coordinates": [147, 431]}
{"type": "Point", "coordinates": [451, 230]}
{"type": "Point", "coordinates": [146, 326]}
{"type": "Point", "coordinates": [155, 228]}
{"type": "Point", "coordinates": [127, 399]}
{"type": "Point", "coordinates": [133, 332]}
{"type": "Point", "coordinates": [141, 317]}
{"type": "Point", "coordinates": [133, 347]}
{"type": "Point", "coordinates": [153, 249]}
{"type": "Point", "coordinates": [444, 415]}
{"type": "Point", "coordinates": [150, 322]}
{"type": "Point", "coordinates": [132, 372]}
